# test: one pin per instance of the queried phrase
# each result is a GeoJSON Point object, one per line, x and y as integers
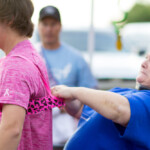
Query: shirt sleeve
{"type": "Point", "coordinates": [85, 77]}
{"type": "Point", "coordinates": [138, 128]}
{"type": "Point", "coordinates": [14, 87]}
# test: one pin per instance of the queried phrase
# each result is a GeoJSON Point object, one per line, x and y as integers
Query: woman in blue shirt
{"type": "Point", "coordinates": [118, 119]}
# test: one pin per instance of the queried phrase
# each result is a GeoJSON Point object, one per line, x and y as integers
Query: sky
{"type": "Point", "coordinates": [76, 14]}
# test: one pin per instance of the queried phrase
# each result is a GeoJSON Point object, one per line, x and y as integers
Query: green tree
{"type": "Point", "coordinates": [139, 13]}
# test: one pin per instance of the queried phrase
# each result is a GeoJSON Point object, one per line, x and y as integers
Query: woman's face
{"type": "Point", "coordinates": [143, 77]}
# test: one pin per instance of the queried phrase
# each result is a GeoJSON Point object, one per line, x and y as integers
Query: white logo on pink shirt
{"type": "Point", "coordinates": [6, 92]}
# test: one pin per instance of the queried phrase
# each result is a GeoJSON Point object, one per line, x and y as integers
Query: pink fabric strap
{"type": "Point", "coordinates": [43, 103]}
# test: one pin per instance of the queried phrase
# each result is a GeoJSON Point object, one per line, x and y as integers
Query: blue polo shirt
{"type": "Point", "coordinates": [98, 133]}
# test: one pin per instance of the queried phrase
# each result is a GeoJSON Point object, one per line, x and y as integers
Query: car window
{"type": "Point", "coordinates": [104, 41]}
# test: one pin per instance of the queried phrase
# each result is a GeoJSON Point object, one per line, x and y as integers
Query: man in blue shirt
{"type": "Point", "coordinates": [118, 119]}
{"type": "Point", "coordinates": [65, 65]}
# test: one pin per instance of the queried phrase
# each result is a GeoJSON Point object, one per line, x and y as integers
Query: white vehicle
{"type": "Point", "coordinates": [137, 37]}
{"type": "Point", "coordinates": [115, 65]}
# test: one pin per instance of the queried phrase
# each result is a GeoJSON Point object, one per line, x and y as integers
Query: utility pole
{"type": "Point", "coordinates": [91, 35]}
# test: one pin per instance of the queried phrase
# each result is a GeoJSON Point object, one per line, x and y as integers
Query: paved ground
{"type": "Point", "coordinates": [108, 84]}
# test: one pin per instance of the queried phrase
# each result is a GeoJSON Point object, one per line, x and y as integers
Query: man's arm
{"type": "Point", "coordinates": [11, 126]}
{"type": "Point", "coordinates": [110, 105]}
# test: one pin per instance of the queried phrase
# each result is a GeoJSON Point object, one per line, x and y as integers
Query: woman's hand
{"type": "Point", "coordinates": [73, 106]}
{"type": "Point", "coordinates": [64, 92]}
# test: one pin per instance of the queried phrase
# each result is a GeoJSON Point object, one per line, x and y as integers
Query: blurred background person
{"type": "Point", "coordinates": [65, 65]}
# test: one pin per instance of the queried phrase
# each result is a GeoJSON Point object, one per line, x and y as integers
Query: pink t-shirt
{"type": "Point", "coordinates": [20, 81]}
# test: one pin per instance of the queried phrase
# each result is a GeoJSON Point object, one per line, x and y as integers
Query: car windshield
{"type": "Point", "coordinates": [104, 41]}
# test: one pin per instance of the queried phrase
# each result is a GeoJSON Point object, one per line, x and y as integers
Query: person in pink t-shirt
{"type": "Point", "coordinates": [25, 97]}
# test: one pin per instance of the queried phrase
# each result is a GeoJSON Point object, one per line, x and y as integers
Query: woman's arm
{"type": "Point", "coordinates": [74, 108]}
{"type": "Point", "coordinates": [110, 105]}
{"type": "Point", "coordinates": [11, 126]}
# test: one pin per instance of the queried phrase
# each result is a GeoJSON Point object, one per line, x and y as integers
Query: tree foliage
{"type": "Point", "coordinates": [139, 13]}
